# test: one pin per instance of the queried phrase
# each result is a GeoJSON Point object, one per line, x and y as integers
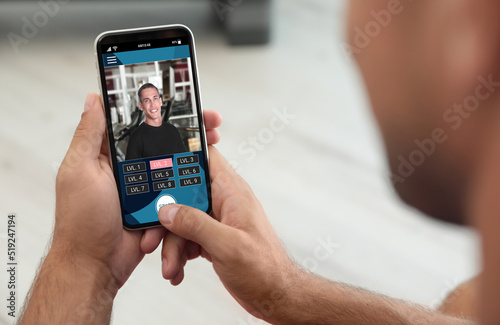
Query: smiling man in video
{"type": "Point", "coordinates": [153, 137]}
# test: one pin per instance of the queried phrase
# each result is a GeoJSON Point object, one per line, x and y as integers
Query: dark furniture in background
{"type": "Point", "coordinates": [243, 22]}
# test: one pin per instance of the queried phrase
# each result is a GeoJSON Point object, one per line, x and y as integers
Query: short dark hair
{"type": "Point", "coordinates": [146, 86]}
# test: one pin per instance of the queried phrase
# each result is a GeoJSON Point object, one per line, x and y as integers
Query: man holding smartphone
{"type": "Point", "coordinates": [91, 254]}
{"type": "Point", "coordinates": [431, 55]}
{"type": "Point", "coordinates": [148, 140]}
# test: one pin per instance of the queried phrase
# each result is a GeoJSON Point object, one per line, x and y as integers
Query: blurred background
{"type": "Point", "coordinates": [321, 176]}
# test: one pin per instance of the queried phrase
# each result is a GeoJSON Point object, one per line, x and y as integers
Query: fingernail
{"type": "Point", "coordinates": [89, 102]}
{"type": "Point", "coordinates": [168, 218]}
{"type": "Point", "coordinates": [163, 266]}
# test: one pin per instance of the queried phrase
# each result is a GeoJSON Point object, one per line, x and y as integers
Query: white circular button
{"type": "Point", "coordinates": [164, 200]}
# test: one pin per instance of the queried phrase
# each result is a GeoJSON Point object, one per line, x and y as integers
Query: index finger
{"type": "Point", "coordinates": [212, 119]}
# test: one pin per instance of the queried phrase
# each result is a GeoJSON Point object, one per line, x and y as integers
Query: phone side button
{"type": "Point", "coordinates": [98, 85]}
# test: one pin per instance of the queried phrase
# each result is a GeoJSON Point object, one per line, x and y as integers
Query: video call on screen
{"type": "Point", "coordinates": [160, 132]}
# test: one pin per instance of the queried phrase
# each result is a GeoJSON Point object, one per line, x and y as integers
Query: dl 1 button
{"type": "Point", "coordinates": [134, 167]}
{"type": "Point", "coordinates": [164, 200]}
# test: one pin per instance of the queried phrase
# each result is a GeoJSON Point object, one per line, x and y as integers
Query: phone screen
{"type": "Point", "coordinates": [155, 125]}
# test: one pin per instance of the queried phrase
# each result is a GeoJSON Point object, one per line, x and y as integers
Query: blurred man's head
{"type": "Point", "coordinates": [150, 103]}
{"type": "Point", "coordinates": [431, 71]}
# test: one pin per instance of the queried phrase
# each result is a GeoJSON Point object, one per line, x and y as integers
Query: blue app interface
{"type": "Point", "coordinates": [148, 184]}
{"type": "Point", "coordinates": [156, 134]}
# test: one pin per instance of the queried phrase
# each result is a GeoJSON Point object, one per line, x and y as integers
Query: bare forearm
{"type": "Point", "coordinates": [318, 301]}
{"type": "Point", "coordinates": [69, 291]}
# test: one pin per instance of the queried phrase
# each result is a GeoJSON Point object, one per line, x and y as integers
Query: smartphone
{"type": "Point", "coordinates": [158, 149]}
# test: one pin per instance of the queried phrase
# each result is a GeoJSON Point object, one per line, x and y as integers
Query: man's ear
{"type": "Point", "coordinates": [140, 106]}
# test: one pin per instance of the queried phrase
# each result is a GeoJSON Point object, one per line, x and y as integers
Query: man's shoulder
{"type": "Point", "coordinates": [138, 130]}
{"type": "Point", "coordinates": [169, 126]}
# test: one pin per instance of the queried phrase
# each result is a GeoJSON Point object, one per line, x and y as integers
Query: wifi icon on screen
{"type": "Point", "coordinates": [114, 48]}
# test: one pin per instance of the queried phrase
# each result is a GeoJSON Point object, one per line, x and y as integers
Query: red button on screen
{"type": "Point", "coordinates": [162, 163]}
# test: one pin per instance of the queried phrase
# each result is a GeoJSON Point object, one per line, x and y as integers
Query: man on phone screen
{"type": "Point", "coordinates": [154, 137]}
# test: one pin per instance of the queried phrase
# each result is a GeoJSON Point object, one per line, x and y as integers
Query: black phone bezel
{"type": "Point", "coordinates": [141, 35]}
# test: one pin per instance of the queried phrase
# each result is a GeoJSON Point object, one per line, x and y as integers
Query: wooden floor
{"type": "Point", "coordinates": [320, 179]}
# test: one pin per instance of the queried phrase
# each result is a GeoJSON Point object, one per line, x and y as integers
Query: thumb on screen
{"type": "Point", "coordinates": [195, 225]}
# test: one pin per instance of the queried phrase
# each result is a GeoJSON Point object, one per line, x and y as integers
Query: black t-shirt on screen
{"type": "Point", "coordinates": [151, 141]}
